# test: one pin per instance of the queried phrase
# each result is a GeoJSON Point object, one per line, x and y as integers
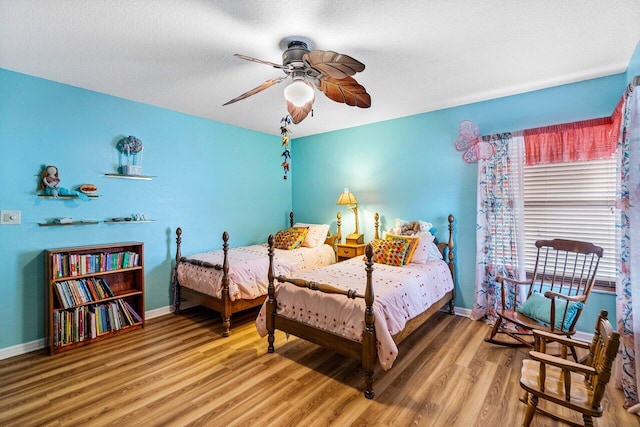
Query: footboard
{"type": "Point", "coordinates": [365, 350]}
{"type": "Point", "coordinates": [224, 304]}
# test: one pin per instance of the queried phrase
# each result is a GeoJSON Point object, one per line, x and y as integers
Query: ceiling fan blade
{"type": "Point", "coordinates": [332, 64]}
{"type": "Point", "coordinates": [255, 90]}
{"type": "Point", "coordinates": [260, 61]}
{"type": "Point", "coordinates": [298, 114]}
{"type": "Point", "coordinates": [346, 90]}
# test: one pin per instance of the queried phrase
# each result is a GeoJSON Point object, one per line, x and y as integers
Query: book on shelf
{"type": "Point", "coordinates": [135, 315]}
{"type": "Point", "coordinates": [90, 321]}
{"type": "Point", "coordinates": [71, 265]}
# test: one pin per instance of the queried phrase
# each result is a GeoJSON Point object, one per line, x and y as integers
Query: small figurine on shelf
{"type": "Point", "coordinates": [50, 183]}
{"type": "Point", "coordinates": [130, 147]}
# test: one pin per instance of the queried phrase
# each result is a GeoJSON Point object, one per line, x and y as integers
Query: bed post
{"type": "Point", "coordinates": [271, 300]}
{"type": "Point", "coordinates": [376, 225]}
{"type": "Point", "coordinates": [369, 335]}
{"type": "Point", "coordinates": [174, 279]}
{"type": "Point", "coordinates": [291, 219]}
{"type": "Point", "coordinates": [452, 267]}
{"type": "Point", "coordinates": [226, 299]}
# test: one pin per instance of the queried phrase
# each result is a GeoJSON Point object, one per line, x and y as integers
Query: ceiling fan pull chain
{"type": "Point", "coordinates": [285, 131]}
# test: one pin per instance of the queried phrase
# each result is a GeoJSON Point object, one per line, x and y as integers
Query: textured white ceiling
{"type": "Point", "coordinates": [420, 55]}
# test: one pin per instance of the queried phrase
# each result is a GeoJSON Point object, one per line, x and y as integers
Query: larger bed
{"type": "Point", "coordinates": [336, 306]}
{"type": "Point", "coordinates": [230, 280]}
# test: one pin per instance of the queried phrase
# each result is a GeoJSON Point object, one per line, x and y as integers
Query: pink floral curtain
{"type": "Point", "coordinates": [628, 280]}
{"type": "Point", "coordinates": [500, 226]}
{"type": "Point", "coordinates": [570, 142]}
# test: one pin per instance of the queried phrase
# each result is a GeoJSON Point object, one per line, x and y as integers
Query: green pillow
{"type": "Point", "coordinates": [538, 307]}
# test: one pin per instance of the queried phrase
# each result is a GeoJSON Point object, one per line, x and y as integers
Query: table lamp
{"type": "Point", "coordinates": [348, 199]}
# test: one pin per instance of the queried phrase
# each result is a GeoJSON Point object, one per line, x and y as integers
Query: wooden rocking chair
{"type": "Point", "coordinates": [578, 387]}
{"type": "Point", "coordinates": [562, 279]}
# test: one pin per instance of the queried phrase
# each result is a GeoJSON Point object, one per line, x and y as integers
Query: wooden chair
{"type": "Point", "coordinates": [578, 387]}
{"type": "Point", "coordinates": [558, 288]}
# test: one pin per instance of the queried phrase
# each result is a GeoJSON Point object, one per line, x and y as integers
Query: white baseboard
{"type": "Point", "coordinates": [19, 349]}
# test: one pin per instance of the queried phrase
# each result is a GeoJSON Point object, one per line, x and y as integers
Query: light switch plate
{"type": "Point", "coordinates": [10, 217]}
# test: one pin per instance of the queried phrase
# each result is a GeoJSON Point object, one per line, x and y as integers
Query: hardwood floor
{"type": "Point", "coordinates": [179, 371]}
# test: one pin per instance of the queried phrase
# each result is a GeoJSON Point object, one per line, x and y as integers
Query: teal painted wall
{"type": "Point", "coordinates": [210, 177]}
{"type": "Point", "coordinates": [408, 167]}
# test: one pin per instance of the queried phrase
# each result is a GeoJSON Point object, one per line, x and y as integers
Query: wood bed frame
{"type": "Point", "coordinates": [224, 305]}
{"type": "Point", "coordinates": [364, 350]}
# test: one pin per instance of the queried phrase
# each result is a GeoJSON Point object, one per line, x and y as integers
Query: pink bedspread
{"type": "Point", "coordinates": [248, 269]}
{"type": "Point", "coordinates": [401, 293]}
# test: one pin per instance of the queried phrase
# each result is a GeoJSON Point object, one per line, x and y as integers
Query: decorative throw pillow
{"type": "Point", "coordinates": [412, 242]}
{"type": "Point", "coordinates": [538, 307]}
{"type": "Point", "coordinates": [290, 239]}
{"type": "Point", "coordinates": [390, 252]}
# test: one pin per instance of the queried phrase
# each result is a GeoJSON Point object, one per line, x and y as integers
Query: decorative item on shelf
{"type": "Point", "coordinates": [285, 131]}
{"type": "Point", "coordinates": [65, 220]}
{"type": "Point", "coordinates": [474, 146]}
{"type": "Point", "coordinates": [89, 189]}
{"type": "Point", "coordinates": [50, 184]}
{"type": "Point", "coordinates": [131, 148]}
{"type": "Point", "coordinates": [136, 217]}
{"type": "Point", "coordinates": [347, 198]}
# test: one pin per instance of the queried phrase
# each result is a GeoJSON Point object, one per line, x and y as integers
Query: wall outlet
{"type": "Point", "coordinates": [10, 217]}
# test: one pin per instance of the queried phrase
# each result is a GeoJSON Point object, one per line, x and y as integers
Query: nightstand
{"type": "Point", "coordinates": [346, 250]}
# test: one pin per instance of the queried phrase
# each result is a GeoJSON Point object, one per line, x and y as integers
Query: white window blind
{"type": "Point", "coordinates": [573, 201]}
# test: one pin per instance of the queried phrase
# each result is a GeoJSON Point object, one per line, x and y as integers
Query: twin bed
{"type": "Point", "coordinates": [235, 279]}
{"type": "Point", "coordinates": [347, 308]}
{"type": "Point", "coordinates": [342, 306]}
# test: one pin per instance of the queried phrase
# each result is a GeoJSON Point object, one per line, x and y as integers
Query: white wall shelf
{"type": "Point", "coordinates": [119, 175]}
{"type": "Point", "coordinates": [57, 224]}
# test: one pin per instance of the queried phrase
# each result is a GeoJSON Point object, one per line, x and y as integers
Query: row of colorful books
{"type": "Point", "coordinates": [81, 291]}
{"type": "Point", "coordinates": [90, 321]}
{"type": "Point", "coordinates": [70, 265]}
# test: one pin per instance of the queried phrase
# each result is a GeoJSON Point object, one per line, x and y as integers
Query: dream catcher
{"type": "Point", "coordinates": [285, 122]}
{"type": "Point", "coordinates": [469, 141]}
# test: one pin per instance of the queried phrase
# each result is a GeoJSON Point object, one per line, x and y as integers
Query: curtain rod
{"type": "Point", "coordinates": [635, 82]}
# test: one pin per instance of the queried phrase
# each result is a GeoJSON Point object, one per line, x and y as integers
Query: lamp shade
{"type": "Point", "coordinates": [298, 93]}
{"type": "Point", "coordinates": [347, 198]}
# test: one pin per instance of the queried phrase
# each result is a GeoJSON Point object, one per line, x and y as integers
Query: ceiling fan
{"type": "Point", "coordinates": [328, 71]}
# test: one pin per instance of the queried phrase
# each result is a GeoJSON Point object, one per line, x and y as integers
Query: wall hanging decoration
{"type": "Point", "coordinates": [50, 185]}
{"type": "Point", "coordinates": [285, 131]}
{"type": "Point", "coordinates": [469, 141]}
{"type": "Point", "coordinates": [131, 149]}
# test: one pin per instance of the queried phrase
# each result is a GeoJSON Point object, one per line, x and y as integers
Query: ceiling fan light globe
{"type": "Point", "coordinates": [298, 93]}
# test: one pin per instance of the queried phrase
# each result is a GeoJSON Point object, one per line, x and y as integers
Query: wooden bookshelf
{"type": "Point", "coordinates": [92, 293]}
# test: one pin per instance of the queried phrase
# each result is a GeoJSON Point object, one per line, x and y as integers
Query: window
{"type": "Point", "coordinates": [574, 201]}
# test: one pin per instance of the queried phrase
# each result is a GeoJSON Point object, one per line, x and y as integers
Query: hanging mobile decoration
{"type": "Point", "coordinates": [285, 131]}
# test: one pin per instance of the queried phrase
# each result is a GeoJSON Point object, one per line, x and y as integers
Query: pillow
{"type": "Point", "coordinates": [538, 307]}
{"type": "Point", "coordinates": [426, 250]}
{"type": "Point", "coordinates": [290, 239]}
{"type": "Point", "coordinates": [412, 242]}
{"type": "Point", "coordinates": [390, 252]}
{"type": "Point", "coordinates": [316, 236]}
